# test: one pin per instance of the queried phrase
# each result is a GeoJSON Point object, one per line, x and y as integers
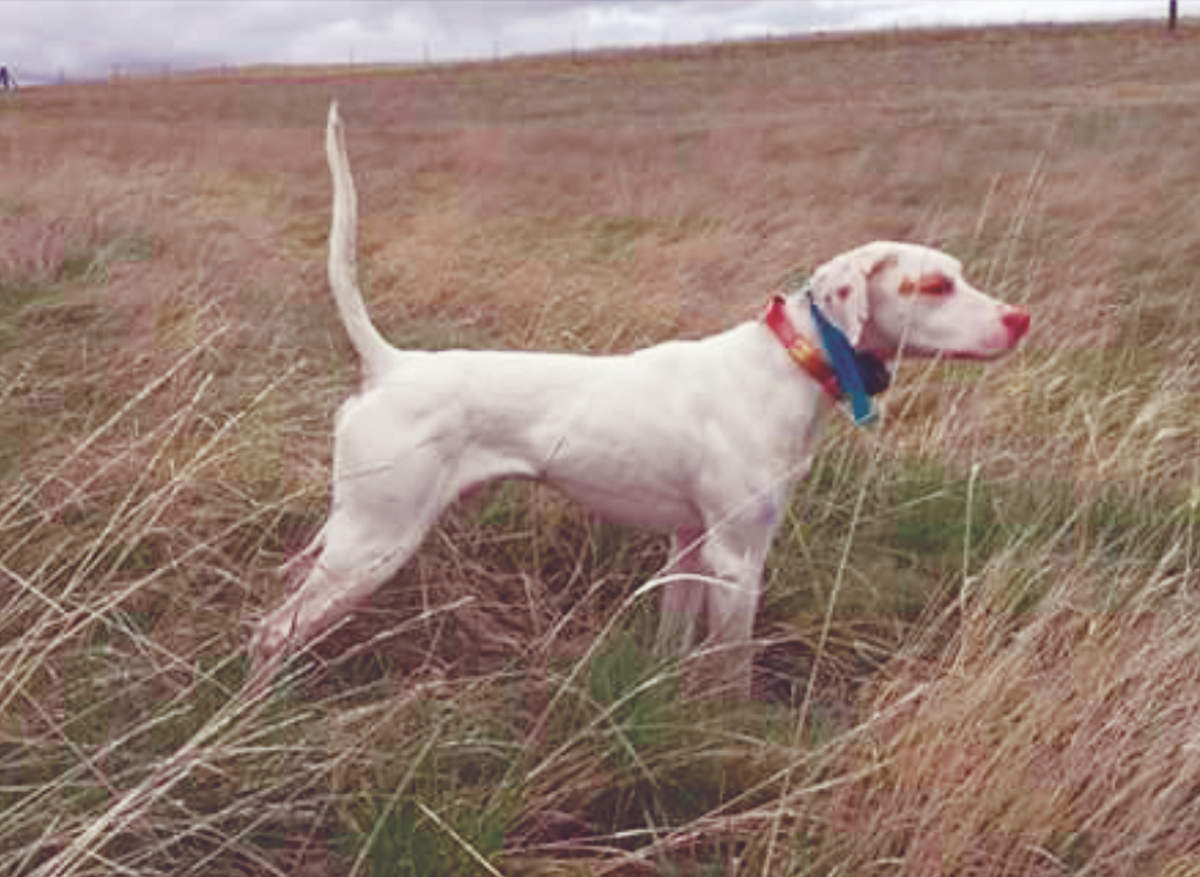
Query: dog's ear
{"type": "Point", "coordinates": [840, 288]}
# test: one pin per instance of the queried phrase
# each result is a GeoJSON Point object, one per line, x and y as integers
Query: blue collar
{"type": "Point", "coordinates": [861, 375]}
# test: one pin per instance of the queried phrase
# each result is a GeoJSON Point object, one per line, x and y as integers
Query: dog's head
{"type": "Point", "coordinates": [892, 297]}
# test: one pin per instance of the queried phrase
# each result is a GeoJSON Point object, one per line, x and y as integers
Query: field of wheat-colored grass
{"type": "Point", "coordinates": [981, 629]}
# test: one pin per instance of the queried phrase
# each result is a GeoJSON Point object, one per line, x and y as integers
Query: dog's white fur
{"type": "Point", "coordinates": [701, 438]}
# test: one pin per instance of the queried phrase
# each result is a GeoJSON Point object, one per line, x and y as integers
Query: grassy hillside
{"type": "Point", "coordinates": [982, 625]}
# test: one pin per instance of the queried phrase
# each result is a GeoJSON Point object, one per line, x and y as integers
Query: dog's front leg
{"type": "Point", "coordinates": [732, 597]}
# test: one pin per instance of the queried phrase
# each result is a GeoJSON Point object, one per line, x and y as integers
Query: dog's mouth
{"type": "Point", "coordinates": [889, 355]}
{"type": "Point", "coordinates": [1012, 326]}
{"type": "Point", "coordinates": [993, 349]}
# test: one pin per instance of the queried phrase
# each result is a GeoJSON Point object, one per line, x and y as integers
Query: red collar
{"type": "Point", "coordinates": [805, 354]}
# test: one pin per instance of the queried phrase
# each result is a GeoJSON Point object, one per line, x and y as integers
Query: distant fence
{"type": "Point", "coordinates": [666, 48]}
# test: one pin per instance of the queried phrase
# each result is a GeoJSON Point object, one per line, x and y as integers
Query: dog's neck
{"type": "Point", "coordinates": [804, 350]}
{"type": "Point", "coordinates": [824, 352]}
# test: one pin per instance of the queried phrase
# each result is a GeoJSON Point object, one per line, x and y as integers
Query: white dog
{"type": "Point", "coordinates": [700, 438]}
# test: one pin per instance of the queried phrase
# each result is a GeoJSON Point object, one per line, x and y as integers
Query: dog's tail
{"type": "Point", "coordinates": [372, 349]}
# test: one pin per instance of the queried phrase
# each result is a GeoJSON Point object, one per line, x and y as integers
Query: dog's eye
{"type": "Point", "coordinates": [936, 284]}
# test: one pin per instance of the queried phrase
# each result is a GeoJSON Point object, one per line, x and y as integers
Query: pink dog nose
{"type": "Point", "coordinates": [1016, 320]}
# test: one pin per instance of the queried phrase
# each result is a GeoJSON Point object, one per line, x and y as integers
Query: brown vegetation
{"type": "Point", "coordinates": [981, 627]}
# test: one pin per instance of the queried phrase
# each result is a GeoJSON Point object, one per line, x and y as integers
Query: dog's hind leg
{"type": "Point", "coordinates": [373, 529]}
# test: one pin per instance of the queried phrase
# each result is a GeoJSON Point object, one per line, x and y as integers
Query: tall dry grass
{"type": "Point", "coordinates": [979, 633]}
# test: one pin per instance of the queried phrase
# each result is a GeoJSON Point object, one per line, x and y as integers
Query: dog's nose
{"type": "Point", "coordinates": [1016, 320]}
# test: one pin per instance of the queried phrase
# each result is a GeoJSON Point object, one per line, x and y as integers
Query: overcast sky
{"type": "Point", "coordinates": [43, 40]}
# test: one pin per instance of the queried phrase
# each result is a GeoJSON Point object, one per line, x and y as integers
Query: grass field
{"type": "Point", "coordinates": [982, 623]}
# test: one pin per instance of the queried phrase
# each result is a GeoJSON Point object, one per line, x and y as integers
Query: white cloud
{"type": "Point", "coordinates": [43, 38]}
{"type": "Point", "coordinates": [910, 13]}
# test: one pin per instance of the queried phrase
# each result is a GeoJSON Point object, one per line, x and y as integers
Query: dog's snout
{"type": "Point", "coordinates": [1016, 320]}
